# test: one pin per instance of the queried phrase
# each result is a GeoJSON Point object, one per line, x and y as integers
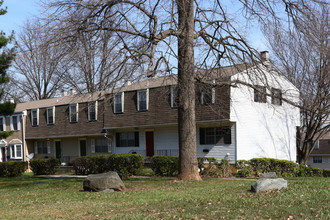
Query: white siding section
{"type": "Point", "coordinates": [167, 141]}
{"type": "Point", "coordinates": [263, 129]}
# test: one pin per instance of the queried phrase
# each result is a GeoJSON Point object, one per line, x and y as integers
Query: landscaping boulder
{"type": "Point", "coordinates": [107, 182]}
{"type": "Point", "coordinates": [263, 185]}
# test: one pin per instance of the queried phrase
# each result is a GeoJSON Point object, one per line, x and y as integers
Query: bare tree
{"type": "Point", "coordinates": [157, 38]}
{"type": "Point", "coordinates": [301, 45]}
{"type": "Point", "coordinates": [38, 68]}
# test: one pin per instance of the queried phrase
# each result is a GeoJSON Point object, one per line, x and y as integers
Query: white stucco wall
{"type": "Point", "coordinates": [264, 129]}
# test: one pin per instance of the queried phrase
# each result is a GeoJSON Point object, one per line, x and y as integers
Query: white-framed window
{"type": "Point", "coordinates": [92, 111]}
{"type": "Point", "coordinates": [16, 151]}
{"type": "Point", "coordinates": [2, 124]}
{"type": "Point", "coordinates": [174, 97]}
{"type": "Point", "coordinates": [127, 139]}
{"type": "Point", "coordinates": [42, 147]}
{"type": "Point", "coordinates": [215, 135]}
{"type": "Point", "coordinates": [143, 100]}
{"type": "Point", "coordinates": [73, 112]}
{"type": "Point", "coordinates": [317, 159]}
{"type": "Point", "coordinates": [208, 95]}
{"type": "Point", "coordinates": [260, 94]}
{"type": "Point", "coordinates": [35, 117]}
{"type": "Point", "coordinates": [15, 123]}
{"type": "Point", "coordinates": [276, 96]}
{"type": "Point", "coordinates": [100, 145]}
{"type": "Point", "coordinates": [51, 115]}
{"type": "Point", "coordinates": [118, 102]}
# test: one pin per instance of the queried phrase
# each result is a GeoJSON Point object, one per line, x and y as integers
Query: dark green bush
{"type": "Point", "coordinates": [326, 172]}
{"type": "Point", "coordinates": [90, 164]}
{"type": "Point", "coordinates": [127, 164]}
{"type": "Point", "coordinates": [244, 168]}
{"type": "Point", "coordinates": [281, 167]}
{"type": "Point", "coordinates": [12, 168]}
{"type": "Point", "coordinates": [165, 165]}
{"type": "Point", "coordinates": [207, 166]}
{"type": "Point", "coordinates": [44, 166]}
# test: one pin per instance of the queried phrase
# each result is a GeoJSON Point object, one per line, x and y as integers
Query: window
{"type": "Point", "coordinates": [101, 145]}
{"type": "Point", "coordinates": [35, 117]}
{"type": "Point", "coordinates": [73, 112]}
{"type": "Point", "coordinates": [50, 115]}
{"type": "Point", "coordinates": [260, 94]}
{"type": "Point", "coordinates": [2, 124]}
{"type": "Point", "coordinates": [317, 159]}
{"type": "Point", "coordinates": [15, 151]}
{"type": "Point", "coordinates": [142, 100]}
{"type": "Point", "coordinates": [92, 111]}
{"type": "Point", "coordinates": [174, 97]}
{"type": "Point", "coordinates": [276, 96]}
{"type": "Point", "coordinates": [42, 147]}
{"type": "Point", "coordinates": [208, 95]}
{"type": "Point", "coordinates": [119, 103]}
{"type": "Point", "coordinates": [15, 124]}
{"type": "Point", "coordinates": [216, 135]}
{"type": "Point", "coordinates": [127, 139]}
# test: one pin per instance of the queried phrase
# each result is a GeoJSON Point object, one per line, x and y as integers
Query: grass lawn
{"type": "Point", "coordinates": [29, 197]}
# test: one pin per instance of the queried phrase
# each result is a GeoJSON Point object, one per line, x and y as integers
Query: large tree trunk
{"type": "Point", "coordinates": [186, 85]}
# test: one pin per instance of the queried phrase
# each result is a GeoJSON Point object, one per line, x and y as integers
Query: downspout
{"type": "Point", "coordinates": [23, 135]}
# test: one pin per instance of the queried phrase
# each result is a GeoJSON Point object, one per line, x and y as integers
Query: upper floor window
{"type": "Point", "coordinates": [42, 147]}
{"type": "Point", "coordinates": [119, 102]}
{"type": "Point", "coordinates": [142, 100]}
{"type": "Point", "coordinates": [260, 94]}
{"type": "Point", "coordinates": [73, 112]}
{"type": "Point", "coordinates": [2, 124]}
{"type": "Point", "coordinates": [50, 115]}
{"type": "Point", "coordinates": [208, 95]}
{"type": "Point", "coordinates": [127, 139]}
{"type": "Point", "coordinates": [276, 96]}
{"type": "Point", "coordinates": [317, 159]}
{"type": "Point", "coordinates": [92, 111]}
{"type": "Point", "coordinates": [15, 123]}
{"type": "Point", "coordinates": [174, 97]}
{"type": "Point", "coordinates": [15, 151]}
{"type": "Point", "coordinates": [215, 135]}
{"type": "Point", "coordinates": [35, 117]}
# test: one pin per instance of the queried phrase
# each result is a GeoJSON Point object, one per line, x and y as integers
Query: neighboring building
{"type": "Point", "coordinates": [320, 156]}
{"type": "Point", "coordinates": [14, 147]}
{"type": "Point", "coordinates": [233, 122]}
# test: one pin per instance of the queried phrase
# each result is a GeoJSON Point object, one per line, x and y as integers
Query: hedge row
{"type": "Point", "coordinates": [169, 166]}
{"type": "Point", "coordinates": [126, 164]}
{"type": "Point", "coordinates": [283, 168]}
{"type": "Point", "coordinates": [12, 168]}
{"type": "Point", "coordinates": [44, 166]}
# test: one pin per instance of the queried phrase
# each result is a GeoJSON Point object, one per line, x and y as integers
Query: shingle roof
{"type": "Point", "coordinates": [216, 73]}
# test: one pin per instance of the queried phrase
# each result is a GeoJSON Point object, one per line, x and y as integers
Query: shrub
{"type": "Point", "coordinates": [12, 168]}
{"type": "Point", "coordinates": [207, 166]}
{"type": "Point", "coordinates": [44, 166]}
{"type": "Point", "coordinates": [165, 165]}
{"type": "Point", "coordinates": [127, 164]}
{"type": "Point", "coordinates": [326, 172]}
{"type": "Point", "coordinates": [224, 168]}
{"type": "Point", "coordinates": [244, 168]}
{"type": "Point", "coordinates": [90, 164]}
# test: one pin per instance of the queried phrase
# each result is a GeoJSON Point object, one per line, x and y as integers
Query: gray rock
{"type": "Point", "coordinates": [269, 174]}
{"type": "Point", "coordinates": [263, 185]}
{"type": "Point", "coordinates": [103, 182]}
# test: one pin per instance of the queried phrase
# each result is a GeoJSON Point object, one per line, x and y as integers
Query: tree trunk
{"type": "Point", "coordinates": [186, 85]}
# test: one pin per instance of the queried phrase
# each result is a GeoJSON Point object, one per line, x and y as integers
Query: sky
{"type": "Point", "coordinates": [21, 10]}
{"type": "Point", "coordinates": [18, 11]}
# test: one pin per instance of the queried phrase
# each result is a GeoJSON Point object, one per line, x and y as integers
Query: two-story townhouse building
{"type": "Point", "coordinates": [244, 120]}
{"type": "Point", "coordinates": [13, 147]}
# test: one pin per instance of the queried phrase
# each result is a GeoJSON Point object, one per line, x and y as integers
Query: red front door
{"type": "Point", "coordinates": [3, 151]}
{"type": "Point", "coordinates": [150, 143]}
